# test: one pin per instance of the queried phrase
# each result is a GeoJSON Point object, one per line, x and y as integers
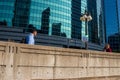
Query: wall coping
{"type": "Point", "coordinates": [50, 48]}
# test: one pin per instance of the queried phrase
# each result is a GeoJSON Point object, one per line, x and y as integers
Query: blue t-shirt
{"type": "Point", "coordinates": [30, 39]}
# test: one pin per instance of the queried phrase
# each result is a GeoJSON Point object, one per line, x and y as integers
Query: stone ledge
{"type": "Point", "coordinates": [33, 62]}
{"type": "Point", "coordinates": [89, 78]}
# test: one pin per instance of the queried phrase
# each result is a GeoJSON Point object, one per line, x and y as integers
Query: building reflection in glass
{"type": "Point", "coordinates": [45, 21]}
{"type": "Point", "coordinates": [21, 13]}
{"type": "Point", "coordinates": [56, 29]}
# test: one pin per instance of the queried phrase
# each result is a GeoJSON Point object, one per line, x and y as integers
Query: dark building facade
{"type": "Point", "coordinates": [56, 29]}
{"type": "Point", "coordinates": [76, 23]}
{"type": "Point", "coordinates": [111, 17]}
{"type": "Point", "coordinates": [96, 27]}
{"type": "Point", "coordinates": [114, 41]}
{"type": "Point", "coordinates": [21, 13]}
{"type": "Point", "coordinates": [45, 21]}
{"type": "Point", "coordinates": [101, 20]}
{"type": "Point", "coordinates": [93, 25]}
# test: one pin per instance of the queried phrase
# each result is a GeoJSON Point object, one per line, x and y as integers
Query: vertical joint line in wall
{"type": "Point", "coordinates": [109, 64]}
{"type": "Point", "coordinates": [54, 70]}
{"type": "Point", "coordinates": [87, 67]}
{"type": "Point", "coordinates": [13, 49]}
{"type": "Point", "coordinates": [8, 48]}
{"type": "Point", "coordinates": [16, 49]}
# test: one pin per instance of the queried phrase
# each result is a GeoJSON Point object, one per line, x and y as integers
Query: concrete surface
{"type": "Point", "coordinates": [28, 62]}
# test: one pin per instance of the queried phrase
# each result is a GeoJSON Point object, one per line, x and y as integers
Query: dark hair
{"type": "Point", "coordinates": [33, 30]}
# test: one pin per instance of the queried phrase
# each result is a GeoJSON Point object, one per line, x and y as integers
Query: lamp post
{"type": "Point", "coordinates": [86, 17]}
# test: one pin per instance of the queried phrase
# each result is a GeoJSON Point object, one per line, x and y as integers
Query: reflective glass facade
{"type": "Point", "coordinates": [93, 25]}
{"type": "Point", "coordinates": [7, 11]}
{"type": "Point", "coordinates": [83, 9]}
{"type": "Point", "coordinates": [55, 17]}
{"type": "Point", "coordinates": [21, 13]}
{"type": "Point", "coordinates": [45, 13]}
{"type": "Point", "coordinates": [76, 23]}
{"type": "Point", "coordinates": [111, 17]}
{"type": "Point", "coordinates": [100, 21]}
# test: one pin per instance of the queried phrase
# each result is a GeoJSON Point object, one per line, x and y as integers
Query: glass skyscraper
{"type": "Point", "coordinates": [75, 22]}
{"type": "Point", "coordinates": [41, 13]}
{"type": "Point", "coordinates": [56, 17]}
{"type": "Point", "coordinates": [45, 13]}
{"type": "Point", "coordinates": [101, 21]}
{"type": "Point", "coordinates": [95, 27]}
{"type": "Point", "coordinates": [83, 9]}
{"type": "Point", "coordinates": [111, 17]}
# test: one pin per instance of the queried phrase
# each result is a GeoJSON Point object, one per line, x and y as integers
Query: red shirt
{"type": "Point", "coordinates": [109, 50]}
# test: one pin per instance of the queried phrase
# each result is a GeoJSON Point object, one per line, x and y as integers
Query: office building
{"type": "Point", "coordinates": [21, 13]}
{"type": "Point", "coordinates": [114, 41]}
{"type": "Point", "coordinates": [101, 21]}
{"type": "Point", "coordinates": [56, 17]}
{"type": "Point", "coordinates": [93, 25]}
{"type": "Point", "coordinates": [41, 13]}
{"type": "Point", "coordinates": [56, 29]}
{"type": "Point", "coordinates": [45, 21]}
{"type": "Point", "coordinates": [44, 13]}
{"type": "Point", "coordinates": [96, 26]}
{"type": "Point", "coordinates": [75, 20]}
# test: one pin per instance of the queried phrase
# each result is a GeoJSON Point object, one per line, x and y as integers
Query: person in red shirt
{"type": "Point", "coordinates": [107, 48]}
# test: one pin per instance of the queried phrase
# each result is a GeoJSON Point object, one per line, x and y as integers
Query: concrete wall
{"type": "Point", "coordinates": [27, 62]}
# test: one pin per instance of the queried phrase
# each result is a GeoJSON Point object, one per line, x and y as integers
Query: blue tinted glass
{"type": "Point", "coordinates": [6, 11]}
{"type": "Point", "coordinates": [54, 17]}
{"type": "Point", "coordinates": [46, 14]}
{"type": "Point", "coordinates": [111, 17]}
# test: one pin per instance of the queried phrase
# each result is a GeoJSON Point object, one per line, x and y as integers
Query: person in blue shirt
{"type": "Point", "coordinates": [30, 38]}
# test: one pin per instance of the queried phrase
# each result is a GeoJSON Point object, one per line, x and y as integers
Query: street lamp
{"type": "Point", "coordinates": [86, 17]}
